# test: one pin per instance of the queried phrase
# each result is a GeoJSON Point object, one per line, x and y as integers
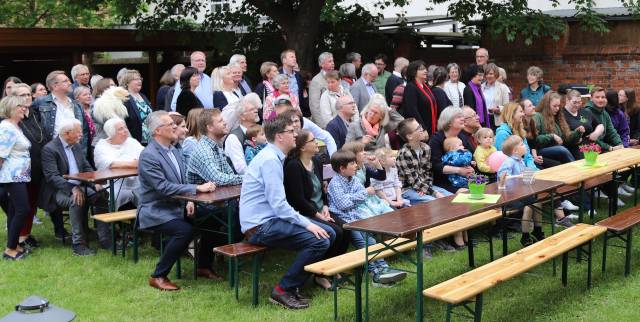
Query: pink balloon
{"type": "Point", "coordinates": [495, 160]}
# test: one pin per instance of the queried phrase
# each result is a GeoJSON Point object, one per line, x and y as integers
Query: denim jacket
{"type": "Point", "coordinates": [47, 109]}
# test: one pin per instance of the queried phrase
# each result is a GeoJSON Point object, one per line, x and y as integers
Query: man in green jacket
{"type": "Point", "coordinates": [610, 140]}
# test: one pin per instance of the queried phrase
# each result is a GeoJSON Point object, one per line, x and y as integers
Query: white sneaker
{"type": "Point", "coordinates": [567, 205]}
{"type": "Point", "coordinates": [620, 203]}
{"type": "Point", "coordinates": [573, 216]}
{"type": "Point", "coordinates": [602, 195]}
{"type": "Point", "coordinates": [595, 213]}
{"type": "Point", "coordinates": [628, 188]}
{"type": "Point", "coordinates": [623, 192]}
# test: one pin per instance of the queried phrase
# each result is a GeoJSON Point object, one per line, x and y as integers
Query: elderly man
{"type": "Point", "coordinates": [162, 175]}
{"type": "Point", "coordinates": [176, 70]}
{"type": "Point", "coordinates": [363, 88]}
{"type": "Point", "coordinates": [383, 74]}
{"type": "Point", "coordinates": [482, 56]}
{"type": "Point", "coordinates": [355, 59]}
{"type": "Point", "coordinates": [234, 144]}
{"type": "Point", "coordinates": [60, 157]}
{"type": "Point", "coordinates": [319, 83]}
{"type": "Point", "coordinates": [244, 83]}
{"type": "Point", "coordinates": [236, 75]}
{"type": "Point", "coordinates": [346, 108]}
{"type": "Point", "coordinates": [267, 218]}
{"type": "Point", "coordinates": [396, 78]}
{"type": "Point", "coordinates": [204, 91]}
{"type": "Point", "coordinates": [81, 76]}
{"type": "Point", "coordinates": [471, 125]}
{"type": "Point", "coordinates": [57, 107]}
{"type": "Point", "coordinates": [296, 83]}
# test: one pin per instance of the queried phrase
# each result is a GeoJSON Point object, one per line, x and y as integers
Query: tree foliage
{"type": "Point", "coordinates": [60, 13]}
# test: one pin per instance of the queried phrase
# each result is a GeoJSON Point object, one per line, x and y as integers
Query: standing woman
{"type": "Point", "coordinates": [225, 90]}
{"type": "Point", "coordinates": [303, 183]}
{"type": "Point", "coordinates": [15, 172]}
{"type": "Point", "coordinates": [536, 88]}
{"type": "Point", "coordinates": [473, 97]}
{"type": "Point", "coordinates": [281, 87]}
{"type": "Point", "coordinates": [82, 94]}
{"type": "Point", "coordinates": [554, 135]}
{"type": "Point", "coordinates": [496, 93]}
{"type": "Point", "coordinates": [38, 90]}
{"type": "Point", "coordinates": [268, 70]}
{"type": "Point", "coordinates": [439, 78]}
{"type": "Point", "coordinates": [8, 83]}
{"type": "Point", "coordinates": [418, 100]}
{"type": "Point", "coordinates": [627, 98]}
{"type": "Point", "coordinates": [138, 106]}
{"type": "Point", "coordinates": [454, 87]}
{"type": "Point", "coordinates": [187, 100]}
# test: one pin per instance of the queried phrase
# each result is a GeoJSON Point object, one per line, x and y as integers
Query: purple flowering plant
{"type": "Point", "coordinates": [478, 179]}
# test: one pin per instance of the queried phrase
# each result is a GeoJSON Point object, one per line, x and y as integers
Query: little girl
{"type": "Point", "coordinates": [256, 140]}
{"type": "Point", "coordinates": [390, 189]}
{"type": "Point", "coordinates": [484, 136]}
{"type": "Point", "coordinates": [456, 156]}
{"type": "Point", "coordinates": [513, 147]}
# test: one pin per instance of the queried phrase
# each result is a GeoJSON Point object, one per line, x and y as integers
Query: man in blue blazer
{"type": "Point", "coordinates": [346, 108]}
{"type": "Point", "coordinates": [162, 175]}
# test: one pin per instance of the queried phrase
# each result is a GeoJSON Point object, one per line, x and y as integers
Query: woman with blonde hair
{"type": "Point", "coordinates": [512, 124]}
{"type": "Point", "coordinates": [225, 90]}
{"type": "Point", "coordinates": [193, 133]}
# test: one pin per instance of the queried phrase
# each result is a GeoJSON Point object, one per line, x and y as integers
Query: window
{"type": "Point", "coordinates": [219, 5]}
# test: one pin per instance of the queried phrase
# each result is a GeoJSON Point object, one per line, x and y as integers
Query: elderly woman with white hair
{"type": "Point", "coordinates": [280, 84]}
{"type": "Point", "coordinates": [119, 151]}
{"type": "Point", "coordinates": [243, 116]}
{"type": "Point", "coordinates": [371, 128]}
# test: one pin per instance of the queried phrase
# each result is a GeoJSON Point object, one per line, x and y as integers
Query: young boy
{"type": "Point", "coordinates": [346, 195]}
{"type": "Point", "coordinates": [390, 189]}
{"type": "Point", "coordinates": [255, 142]}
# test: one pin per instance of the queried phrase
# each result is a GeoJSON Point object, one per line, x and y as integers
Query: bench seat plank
{"type": "Point", "coordinates": [470, 284]}
{"type": "Point", "coordinates": [622, 221]}
{"type": "Point", "coordinates": [110, 217]}
{"type": "Point", "coordinates": [239, 249]}
{"type": "Point", "coordinates": [346, 262]}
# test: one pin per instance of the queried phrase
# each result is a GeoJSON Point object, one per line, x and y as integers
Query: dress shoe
{"type": "Point", "coordinates": [163, 284]}
{"type": "Point", "coordinates": [208, 274]}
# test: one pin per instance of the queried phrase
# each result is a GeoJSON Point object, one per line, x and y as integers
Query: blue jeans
{"type": "Point", "coordinates": [558, 153]}
{"type": "Point", "coordinates": [415, 198]}
{"type": "Point", "coordinates": [375, 266]}
{"type": "Point", "coordinates": [278, 233]}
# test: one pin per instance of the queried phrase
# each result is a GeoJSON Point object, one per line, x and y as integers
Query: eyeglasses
{"type": "Point", "coordinates": [138, 78]}
{"type": "Point", "coordinates": [172, 124]}
{"type": "Point", "coordinates": [288, 131]}
{"type": "Point", "coordinates": [63, 81]}
{"type": "Point", "coordinates": [84, 74]}
{"type": "Point", "coordinates": [471, 116]}
{"type": "Point", "coordinates": [25, 95]}
{"type": "Point", "coordinates": [311, 140]}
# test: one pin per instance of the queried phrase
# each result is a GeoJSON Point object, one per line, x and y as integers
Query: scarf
{"type": "Point", "coordinates": [480, 108]}
{"type": "Point", "coordinates": [426, 91]}
{"type": "Point", "coordinates": [370, 129]}
{"type": "Point", "coordinates": [347, 79]}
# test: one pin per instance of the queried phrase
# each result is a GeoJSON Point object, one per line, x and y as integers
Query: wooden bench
{"type": "Point", "coordinates": [617, 226]}
{"type": "Point", "coordinates": [346, 263]}
{"type": "Point", "coordinates": [459, 290]}
{"type": "Point", "coordinates": [121, 217]}
{"type": "Point", "coordinates": [241, 249]}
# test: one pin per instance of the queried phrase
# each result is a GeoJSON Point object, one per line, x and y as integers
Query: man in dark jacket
{"type": "Point", "coordinates": [610, 140]}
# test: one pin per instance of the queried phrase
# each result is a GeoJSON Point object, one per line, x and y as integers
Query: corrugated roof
{"type": "Point", "coordinates": [609, 12]}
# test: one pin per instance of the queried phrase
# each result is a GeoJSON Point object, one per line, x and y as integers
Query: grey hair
{"type": "Point", "coordinates": [348, 70]}
{"type": "Point", "coordinates": [252, 98]}
{"type": "Point", "coordinates": [279, 79]}
{"type": "Point", "coordinates": [51, 78]}
{"type": "Point", "coordinates": [94, 80]}
{"type": "Point", "coordinates": [377, 101]}
{"type": "Point", "coordinates": [400, 63]}
{"type": "Point", "coordinates": [368, 68]}
{"type": "Point", "coordinates": [503, 73]}
{"type": "Point", "coordinates": [75, 69]}
{"type": "Point", "coordinates": [340, 101]}
{"type": "Point", "coordinates": [109, 126]}
{"type": "Point", "coordinates": [174, 69]}
{"type": "Point", "coordinates": [452, 65]}
{"type": "Point", "coordinates": [235, 58]}
{"type": "Point", "coordinates": [78, 90]}
{"type": "Point", "coordinates": [153, 120]}
{"type": "Point", "coordinates": [120, 74]}
{"type": "Point", "coordinates": [324, 56]}
{"type": "Point", "coordinates": [446, 117]}
{"type": "Point", "coordinates": [353, 56]}
{"type": "Point", "coordinates": [67, 125]}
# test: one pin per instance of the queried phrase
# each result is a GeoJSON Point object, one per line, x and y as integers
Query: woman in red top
{"type": "Point", "coordinates": [418, 101]}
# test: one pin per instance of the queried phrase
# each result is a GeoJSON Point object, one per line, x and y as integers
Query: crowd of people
{"type": "Point", "coordinates": [393, 138]}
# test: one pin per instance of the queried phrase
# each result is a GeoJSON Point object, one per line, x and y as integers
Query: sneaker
{"type": "Point", "coordinates": [376, 283]}
{"type": "Point", "coordinates": [573, 216]}
{"type": "Point", "coordinates": [628, 188]}
{"type": "Point", "coordinates": [567, 205]}
{"type": "Point", "coordinates": [459, 247]}
{"type": "Point", "coordinates": [595, 212]}
{"type": "Point", "coordinates": [444, 245]}
{"type": "Point", "coordinates": [526, 241]}
{"type": "Point", "coordinates": [26, 248]}
{"type": "Point", "coordinates": [19, 256]}
{"type": "Point", "coordinates": [389, 275]}
{"type": "Point", "coordinates": [32, 242]}
{"type": "Point", "coordinates": [59, 235]}
{"type": "Point", "coordinates": [564, 222]}
{"type": "Point", "coordinates": [620, 203]}
{"type": "Point", "coordinates": [305, 299]}
{"type": "Point", "coordinates": [602, 195]}
{"type": "Point", "coordinates": [82, 250]}
{"type": "Point", "coordinates": [36, 220]}
{"type": "Point", "coordinates": [287, 300]}
{"type": "Point", "coordinates": [623, 192]}
{"type": "Point", "coordinates": [426, 254]}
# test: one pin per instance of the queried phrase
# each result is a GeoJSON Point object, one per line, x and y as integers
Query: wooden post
{"type": "Point", "coordinates": [153, 77]}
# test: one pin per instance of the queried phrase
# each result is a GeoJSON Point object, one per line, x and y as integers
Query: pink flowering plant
{"type": "Point", "coordinates": [591, 147]}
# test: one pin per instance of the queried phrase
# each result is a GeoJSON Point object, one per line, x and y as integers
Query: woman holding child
{"type": "Point", "coordinates": [303, 183]}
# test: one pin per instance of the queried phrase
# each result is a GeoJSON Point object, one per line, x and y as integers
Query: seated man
{"type": "Point", "coordinates": [62, 156]}
{"type": "Point", "coordinates": [209, 163]}
{"type": "Point", "coordinates": [267, 219]}
{"type": "Point", "coordinates": [338, 127]}
{"type": "Point", "coordinates": [161, 174]}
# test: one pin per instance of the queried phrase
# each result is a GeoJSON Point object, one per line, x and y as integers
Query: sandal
{"type": "Point", "coordinates": [323, 285]}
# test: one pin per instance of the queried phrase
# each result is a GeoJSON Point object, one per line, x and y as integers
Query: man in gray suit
{"type": "Point", "coordinates": [363, 88]}
{"type": "Point", "coordinates": [162, 175]}
{"type": "Point", "coordinates": [61, 156]}
{"type": "Point", "coordinates": [319, 83]}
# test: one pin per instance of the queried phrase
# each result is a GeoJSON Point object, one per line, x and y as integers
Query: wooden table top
{"type": "Point", "coordinates": [407, 221]}
{"type": "Point", "coordinates": [102, 175]}
{"type": "Point", "coordinates": [220, 194]}
{"type": "Point", "coordinates": [327, 172]}
{"type": "Point", "coordinates": [572, 173]}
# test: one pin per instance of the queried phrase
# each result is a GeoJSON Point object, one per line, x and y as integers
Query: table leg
{"type": "Point", "coordinates": [232, 272]}
{"type": "Point", "coordinates": [504, 231]}
{"type": "Point", "coordinates": [419, 280]}
{"type": "Point", "coordinates": [553, 226]}
{"type": "Point", "coordinates": [113, 239]}
{"type": "Point", "coordinates": [565, 264]}
{"type": "Point", "coordinates": [590, 244]}
{"type": "Point", "coordinates": [635, 185]}
{"type": "Point", "coordinates": [627, 264]}
{"type": "Point", "coordinates": [613, 202]}
{"type": "Point", "coordinates": [582, 201]}
{"type": "Point", "coordinates": [358, 292]}
{"type": "Point", "coordinates": [112, 196]}
{"type": "Point", "coordinates": [366, 277]}
{"type": "Point", "coordinates": [472, 262]}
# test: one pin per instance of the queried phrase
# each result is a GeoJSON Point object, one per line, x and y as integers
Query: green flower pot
{"type": "Point", "coordinates": [477, 190]}
{"type": "Point", "coordinates": [590, 158]}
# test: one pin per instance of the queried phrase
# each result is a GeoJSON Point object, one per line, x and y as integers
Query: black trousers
{"type": "Point", "coordinates": [180, 234]}
{"type": "Point", "coordinates": [15, 203]}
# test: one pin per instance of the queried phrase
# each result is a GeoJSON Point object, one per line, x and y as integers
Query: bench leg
{"type": "Point", "coordinates": [589, 260]}
{"type": "Point", "coordinates": [604, 251]}
{"type": "Point", "coordinates": [236, 283]}
{"type": "Point", "coordinates": [358, 292]}
{"type": "Point", "coordinates": [178, 268]}
{"type": "Point", "coordinates": [113, 238]}
{"type": "Point", "coordinates": [504, 231]}
{"type": "Point", "coordinates": [565, 264]}
{"type": "Point", "coordinates": [490, 246]}
{"type": "Point", "coordinates": [635, 185]}
{"type": "Point", "coordinates": [472, 262]}
{"type": "Point", "coordinates": [195, 259]}
{"type": "Point", "coordinates": [255, 278]}
{"type": "Point", "coordinates": [447, 316]}
{"type": "Point", "coordinates": [477, 315]}
{"type": "Point", "coordinates": [419, 277]}
{"type": "Point", "coordinates": [627, 264]}
{"type": "Point", "coordinates": [124, 240]}
{"type": "Point", "coordinates": [334, 285]}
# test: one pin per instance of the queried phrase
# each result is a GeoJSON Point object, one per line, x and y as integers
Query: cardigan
{"type": "Point", "coordinates": [187, 101]}
{"type": "Point", "coordinates": [299, 188]}
{"type": "Point", "coordinates": [416, 105]}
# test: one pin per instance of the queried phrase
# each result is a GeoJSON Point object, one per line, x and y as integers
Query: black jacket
{"type": "Point", "coordinates": [415, 104]}
{"type": "Point", "coordinates": [186, 101]}
{"type": "Point", "coordinates": [299, 188]}
{"type": "Point", "coordinates": [133, 121]}
{"type": "Point", "coordinates": [392, 82]}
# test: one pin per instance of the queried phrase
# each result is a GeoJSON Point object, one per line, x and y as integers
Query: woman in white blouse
{"type": "Point", "coordinates": [454, 87]}
{"type": "Point", "coordinates": [496, 93]}
{"type": "Point", "coordinates": [119, 150]}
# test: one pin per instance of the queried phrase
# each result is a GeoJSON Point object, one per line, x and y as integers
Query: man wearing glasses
{"type": "Point", "coordinates": [471, 125]}
{"type": "Point", "coordinates": [266, 218]}
{"type": "Point", "coordinates": [338, 127]}
{"type": "Point", "coordinates": [482, 56]}
{"type": "Point", "coordinates": [81, 76]}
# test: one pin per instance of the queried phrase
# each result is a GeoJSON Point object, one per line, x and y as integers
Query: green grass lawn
{"type": "Point", "coordinates": [108, 288]}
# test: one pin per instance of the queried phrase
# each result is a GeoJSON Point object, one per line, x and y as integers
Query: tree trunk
{"type": "Point", "coordinates": [303, 33]}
